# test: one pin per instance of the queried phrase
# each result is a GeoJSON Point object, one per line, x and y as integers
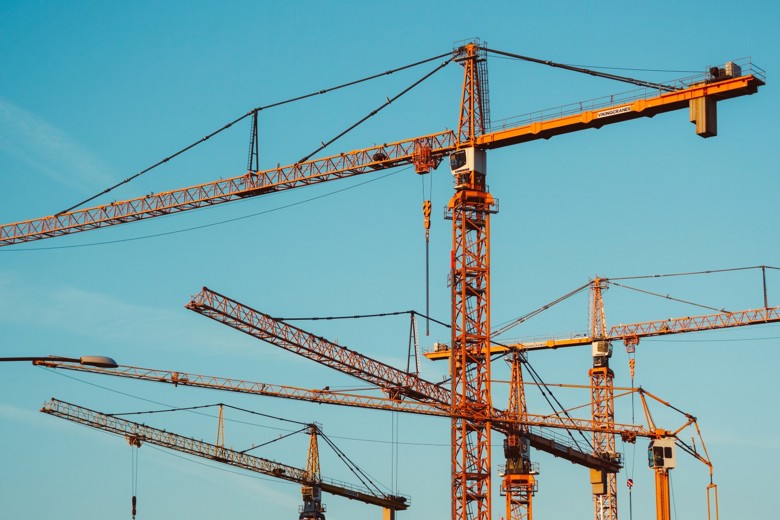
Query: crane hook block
{"type": "Point", "coordinates": [427, 214]}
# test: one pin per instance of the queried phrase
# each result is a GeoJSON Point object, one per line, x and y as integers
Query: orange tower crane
{"type": "Point", "coordinates": [395, 383]}
{"type": "Point", "coordinates": [603, 481]}
{"type": "Point", "coordinates": [312, 508]}
{"type": "Point", "coordinates": [469, 208]}
{"type": "Point", "coordinates": [519, 482]}
{"type": "Point", "coordinates": [310, 479]}
{"type": "Point", "coordinates": [602, 379]}
{"type": "Point", "coordinates": [535, 424]}
{"type": "Point", "coordinates": [516, 422]}
{"type": "Point", "coordinates": [661, 457]}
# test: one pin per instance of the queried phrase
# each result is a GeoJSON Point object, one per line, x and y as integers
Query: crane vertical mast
{"type": "Point", "coordinates": [311, 490]}
{"type": "Point", "coordinates": [661, 458]}
{"type": "Point", "coordinates": [471, 122]}
{"type": "Point", "coordinates": [470, 209]}
{"type": "Point", "coordinates": [519, 484]}
{"type": "Point", "coordinates": [604, 484]}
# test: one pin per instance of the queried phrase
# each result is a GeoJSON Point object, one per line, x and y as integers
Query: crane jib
{"type": "Point", "coordinates": [357, 162]}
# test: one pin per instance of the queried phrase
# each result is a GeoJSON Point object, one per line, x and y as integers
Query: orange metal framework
{"type": "Point", "coordinates": [140, 433]}
{"type": "Point", "coordinates": [503, 421]}
{"type": "Point", "coordinates": [662, 502]}
{"type": "Point", "coordinates": [311, 491]}
{"type": "Point", "coordinates": [470, 208]}
{"type": "Point", "coordinates": [470, 279]}
{"type": "Point", "coordinates": [601, 377]}
{"type": "Point", "coordinates": [396, 384]}
{"type": "Point", "coordinates": [603, 412]}
{"type": "Point", "coordinates": [519, 483]}
{"type": "Point", "coordinates": [632, 333]}
{"type": "Point", "coordinates": [363, 161]}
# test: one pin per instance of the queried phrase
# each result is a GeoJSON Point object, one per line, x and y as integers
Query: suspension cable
{"type": "Point", "coordinates": [375, 111]}
{"type": "Point", "coordinates": [711, 271]}
{"type": "Point", "coordinates": [541, 309]}
{"type": "Point", "coordinates": [360, 316]}
{"type": "Point", "coordinates": [359, 474]}
{"type": "Point", "coordinates": [210, 406]}
{"type": "Point", "coordinates": [666, 297]}
{"type": "Point", "coordinates": [545, 390]}
{"type": "Point", "coordinates": [274, 440]}
{"type": "Point", "coordinates": [590, 72]}
{"type": "Point", "coordinates": [252, 112]}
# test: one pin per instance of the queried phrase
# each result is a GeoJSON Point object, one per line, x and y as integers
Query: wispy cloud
{"type": "Point", "coordinates": [32, 140]}
{"type": "Point", "coordinates": [97, 317]}
{"type": "Point", "coordinates": [13, 414]}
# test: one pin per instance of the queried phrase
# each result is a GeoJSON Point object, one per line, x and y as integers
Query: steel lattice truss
{"type": "Point", "coordinates": [138, 434]}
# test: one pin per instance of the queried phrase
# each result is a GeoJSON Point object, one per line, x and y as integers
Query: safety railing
{"type": "Point", "coordinates": [735, 68]}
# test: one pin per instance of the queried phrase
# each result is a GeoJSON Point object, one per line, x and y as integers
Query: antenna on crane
{"type": "Point", "coordinates": [414, 346]}
{"type": "Point", "coordinates": [253, 164]}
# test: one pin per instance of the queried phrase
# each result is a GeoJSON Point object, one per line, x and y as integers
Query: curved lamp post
{"type": "Point", "coordinates": [94, 361]}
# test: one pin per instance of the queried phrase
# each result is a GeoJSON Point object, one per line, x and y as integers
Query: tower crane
{"type": "Point", "coordinates": [600, 338]}
{"type": "Point", "coordinates": [312, 508]}
{"type": "Point", "coordinates": [313, 484]}
{"type": "Point", "coordinates": [519, 482]}
{"type": "Point", "coordinates": [396, 383]}
{"type": "Point", "coordinates": [425, 152]}
{"type": "Point", "coordinates": [518, 485]}
{"type": "Point", "coordinates": [469, 209]}
{"type": "Point", "coordinates": [602, 376]}
{"type": "Point", "coordinates": [537, 425]}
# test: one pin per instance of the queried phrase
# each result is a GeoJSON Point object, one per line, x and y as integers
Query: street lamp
{"type": "Point", "coordinates": [94, 361]}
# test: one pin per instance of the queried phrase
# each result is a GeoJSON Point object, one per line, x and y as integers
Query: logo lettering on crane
{"type": "Point", "coordinates": [613, 111]}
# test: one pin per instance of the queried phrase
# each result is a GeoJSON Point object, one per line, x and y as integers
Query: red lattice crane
{"type": "Point", "coordinates": [469, 209]}
{"type": "Point", "coordinates": [395, 383]}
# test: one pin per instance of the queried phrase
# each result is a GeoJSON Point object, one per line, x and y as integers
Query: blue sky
{"type": "Point", "coordinates": [92, 92]}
